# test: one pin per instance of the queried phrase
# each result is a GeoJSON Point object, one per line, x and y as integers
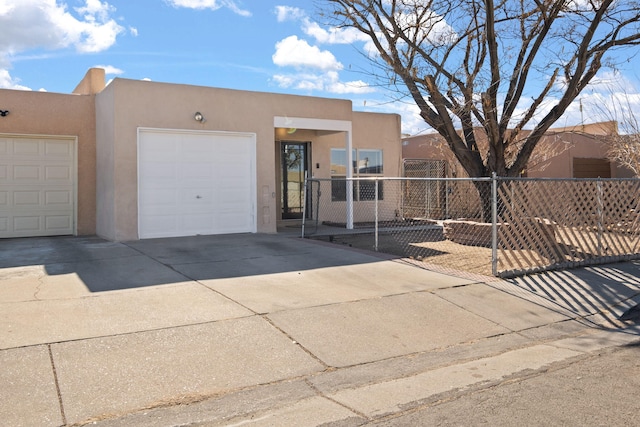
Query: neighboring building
{"type": "Point", "coordinates": [139, 159]}
{"type": "Point", "coordinates": [570, 152]}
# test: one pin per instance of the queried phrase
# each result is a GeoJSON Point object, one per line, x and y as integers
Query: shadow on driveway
{"type": "Point", "coordinates": [608, 289]}
{"type": "Point", "coordinates": [104, 266]}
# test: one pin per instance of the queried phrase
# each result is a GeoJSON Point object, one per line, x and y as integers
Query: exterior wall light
{"type": "Point", "coordinates": [199, 117]}
{"type": "Point", "coordinates": [4, 113]}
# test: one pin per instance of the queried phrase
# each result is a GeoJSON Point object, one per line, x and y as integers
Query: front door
{"type": "Point", "coordinates": [294, 160]}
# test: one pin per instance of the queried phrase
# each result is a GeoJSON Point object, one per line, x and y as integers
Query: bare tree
{"type": "Point", "coordinates": [623, 147]}
{"type": "Point", "coordinates": [501, 67]}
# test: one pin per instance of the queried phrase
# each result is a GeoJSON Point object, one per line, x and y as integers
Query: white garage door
{"type": "Point", "coordinates": [37, 189]}
{"type": "Point", "coordinates": [195, 183]}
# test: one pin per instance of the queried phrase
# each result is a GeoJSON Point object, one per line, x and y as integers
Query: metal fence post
{"type": "Point", "coordinates": [600, 210]}
{"type": "Point", "coordinates": [304, 201]}
{"type": "Point", "coordinates": [494, 224]}
{"type": "Point", "coordinates": [446, 200]}
{"type": "Point", "coordinates": [376, 215]}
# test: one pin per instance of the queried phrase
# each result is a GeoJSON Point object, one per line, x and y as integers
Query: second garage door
{"type": "Point", "coordinates": [195, 183]}
{"type": "Point", "coordinates": [37, 186]}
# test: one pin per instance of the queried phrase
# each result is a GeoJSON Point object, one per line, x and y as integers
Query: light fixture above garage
{"type": "Point", "coordinates": [199, 117]}
{"type": "Point", "coordinates": [4, 113]}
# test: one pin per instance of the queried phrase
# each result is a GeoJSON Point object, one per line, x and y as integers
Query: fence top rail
{"type": "Point", "coordinates": [487, 179]}
{"type": "Point", "coordinates": [504, 178]}
{"type": "Point", "coordinates": [388, 178]}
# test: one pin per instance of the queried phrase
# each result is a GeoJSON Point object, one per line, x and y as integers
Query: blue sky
{"type": "Point", "coordinates": [262, 45]}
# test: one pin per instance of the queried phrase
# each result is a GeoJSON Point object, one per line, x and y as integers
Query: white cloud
{"type": "Point", "coordinates": [110, 69]}
{"type": "Point", "coordinates": [33, 24]}
{"type": "Point", "coordinates": [210, 4]}
{"type": "Point", "coordinates": [352, 87]}
{"type": "Point", "coordinates": [293, 52]}
{"type": "Point", "coordinates": [334, 85]}
{"type": "Point", "coordinates": [327, 82]}
{"type": "Point", "coordinates": [95, 10]}
{"type": "Point", "coordinates": [50, 24]}
{"type": "Point", "coordinates": [6, 7]}
{"type": "Point", "coordinates": [289, 13]}
{"type": "Point", "coordinates": [284, 81]}
{"type": "Point", "coordinates": [317, 70]}
{"type": "Point", "coordinates": [611, 96]}
{"type": "Point", "coordinates": [411, 121]}
{"type": "Point", "coordinates": [333, 35]}
{"type": "Point", "coordinates": [8, 82]}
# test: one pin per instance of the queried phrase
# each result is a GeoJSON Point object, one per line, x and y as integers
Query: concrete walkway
{"type": "Point", "coordinates": [273, 330]}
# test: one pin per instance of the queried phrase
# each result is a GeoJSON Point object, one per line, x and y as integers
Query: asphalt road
{"type": "Point", "coordinates": [602, 389]}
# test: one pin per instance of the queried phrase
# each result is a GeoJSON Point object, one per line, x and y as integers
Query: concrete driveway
{"type": "Point", "coordinates": [93, 330]}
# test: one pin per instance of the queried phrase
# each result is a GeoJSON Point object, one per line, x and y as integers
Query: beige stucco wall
{"type": "Point", "coordinates": [380, 131]}
{"type": "Point", "coordinates": [105, 164]}
{"type": "Point", "coordinates": [92, 83]}
{"type": "Point", "coordinates": [126, 105]}
{"type": "Point", "coordinates": [369, 131]}
{"type": "Point", "coordinates": [562, 149]}
{"type": "Point", "coordinates": [59, 115]}
{"type": "Point", "coordinates": [552, 158]}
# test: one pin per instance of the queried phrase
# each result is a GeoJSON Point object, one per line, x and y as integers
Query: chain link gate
{"type": "Point", "coordinates": [491, 226]}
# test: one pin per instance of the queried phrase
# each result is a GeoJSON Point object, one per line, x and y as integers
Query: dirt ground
{"type": "Point", "coordinates": [429, 249]}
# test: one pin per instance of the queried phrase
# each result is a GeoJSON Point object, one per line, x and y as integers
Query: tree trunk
{"type": "Point", "coordinates": [484, 193]}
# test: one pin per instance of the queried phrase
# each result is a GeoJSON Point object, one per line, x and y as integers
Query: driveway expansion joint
{"type": "Point", "coordinates": [57, 385]}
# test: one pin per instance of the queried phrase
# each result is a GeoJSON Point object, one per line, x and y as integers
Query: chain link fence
{"type": "Point", "coordinates": [500, 227]}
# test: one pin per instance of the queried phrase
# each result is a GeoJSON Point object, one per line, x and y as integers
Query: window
{"type": "Point", "coordinates": [369, 162]}
{"type": "Point", "coordinates": [366, 163]}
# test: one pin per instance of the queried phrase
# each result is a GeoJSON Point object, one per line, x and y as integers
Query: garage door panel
{"type": "Point", "coordinates": [57, 149]}
{"type": "Point", "coordinates": [57, 222]}
{"type": "Point", "coordinates": [197, 171]}
{"type": "Point", "coordinates": [26, 147]}
{"type": "Point", "coordinates": [159, 170]}
{"type": "Point", "coordinates": [196, 207]}
{"type": "Point", "coordinates": [160, 197]}
{"type": "Point", "coordinates": [30, 224]}
{"type": "Point", "coordinates": [208, 201]}
{"type": "Point", "coordinates": [25, 225]}
{"type": "Point", "coordinates": [203, 196]}
{"type": "Point", "coordinates": [22, 173]}
{"type": "Point", "coordinates": [232, 223]}
{"type": "Point", "coordinates": [58, 198]}
{"type": "Point", "coordinates": [198, 148]}
{"type": "Point", "coordinates": [22, 199]}
{"type": "Point", "coordinates": [195, 223]}
{"type": "Point", "coordinates": [233, 197]}
{"type": "Point", "coordinates": [58, 173]}
{"type": "Point", "coordinates": [37, 191]}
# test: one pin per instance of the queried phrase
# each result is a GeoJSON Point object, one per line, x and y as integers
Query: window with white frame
{"type": "Point", "coordinates": [366, 163]}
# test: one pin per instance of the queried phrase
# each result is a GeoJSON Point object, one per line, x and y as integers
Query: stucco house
{"type": "Point", "coordinates": [140, 159]}
{"type": "Point", "coordinates": [568, 152]}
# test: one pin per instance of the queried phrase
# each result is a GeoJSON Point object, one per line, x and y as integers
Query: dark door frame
{"type": "Point", "coordinates": [294, 162]}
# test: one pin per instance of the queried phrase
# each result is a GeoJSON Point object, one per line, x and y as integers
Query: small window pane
{"type": "Point", "coordinates": [338, 190]}
{"type": "Point", "coordinates": [369, 161]}
{"type": "Point", "coordinates": [339, 161]}
{"type": "Point", "coordinates": [367, 190]}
